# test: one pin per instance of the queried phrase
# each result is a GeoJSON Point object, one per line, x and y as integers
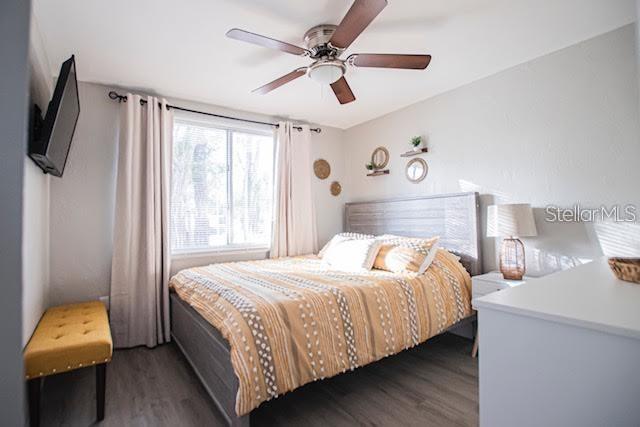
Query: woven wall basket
{"type": "Point", "coordinates": [321, 168]}
{"type": "Point", "coordinates": [335, 188]}
{"type": "Point", "coordinates": [627, 269]}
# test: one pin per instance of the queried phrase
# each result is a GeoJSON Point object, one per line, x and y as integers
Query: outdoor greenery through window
{"type": "Point", "coordinates": [222, 187]}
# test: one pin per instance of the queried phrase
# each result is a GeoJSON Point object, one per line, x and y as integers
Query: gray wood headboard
{"type": "Point", "coordinates": [453, 217]}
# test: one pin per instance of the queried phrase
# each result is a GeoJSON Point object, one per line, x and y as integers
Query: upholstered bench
{"type": "Point", "coordinates": [68, 337]}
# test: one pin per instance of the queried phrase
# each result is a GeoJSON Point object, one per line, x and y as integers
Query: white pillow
{"type": "Point", "coordinates": [340, 237]}
{"type": "Point", "coordinates": [353, 254]}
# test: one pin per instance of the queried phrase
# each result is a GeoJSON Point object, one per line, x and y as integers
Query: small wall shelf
{"type": "Point", "coordinates": [415, 153]}
{"type": "Point", "coordinates": [378, 173]}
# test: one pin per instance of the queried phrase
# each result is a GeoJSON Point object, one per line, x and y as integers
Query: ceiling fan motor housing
{"type": "Point", "coordinates": [317, 41]}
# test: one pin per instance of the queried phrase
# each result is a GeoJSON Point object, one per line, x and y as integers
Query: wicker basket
{"type": "Point", "coordinates": [321, 168]}
{"type": "Point", "coordinates": [627, 269]}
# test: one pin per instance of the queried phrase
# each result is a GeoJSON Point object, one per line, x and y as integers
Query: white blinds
{"type": "Point", "coordinates": [221, 187]}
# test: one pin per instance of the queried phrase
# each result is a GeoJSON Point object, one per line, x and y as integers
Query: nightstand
{"type": "Point", "coordinates": [488, 283]}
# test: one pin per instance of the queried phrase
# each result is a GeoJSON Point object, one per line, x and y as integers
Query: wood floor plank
{"type": "Point", "coordinates": [434, 384]}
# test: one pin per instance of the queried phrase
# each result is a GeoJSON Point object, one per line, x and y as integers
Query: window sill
{"type": "Point", "coordinates": [222, 251]}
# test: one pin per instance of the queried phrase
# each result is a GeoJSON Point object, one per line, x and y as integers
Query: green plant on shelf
{"type": "Point", "coordinates": [369, 166]}
{"type": "Point", "coordinates": [416, 141]}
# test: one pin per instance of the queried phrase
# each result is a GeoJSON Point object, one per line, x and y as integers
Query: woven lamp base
{"type": "Point", "coordinates": [512, 264]}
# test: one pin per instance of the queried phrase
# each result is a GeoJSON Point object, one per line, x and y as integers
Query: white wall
{"type": "Point", "coordinates": [35, 268]}
{"type": "Point", "coordinates": [329, 145]}
{"type": "Point", "coordinates": [560, 129]}
{"type": "Point", "coordinates": [82, 202]}
{"type": "Point", "coordinates": [35, 249]}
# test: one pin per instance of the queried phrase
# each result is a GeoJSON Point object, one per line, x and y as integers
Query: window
{"type": "Point", "coordinates": [221, 187]}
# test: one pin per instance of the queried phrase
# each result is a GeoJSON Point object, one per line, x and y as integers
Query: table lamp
{"type": "Point", "coordinates": [511, 221]}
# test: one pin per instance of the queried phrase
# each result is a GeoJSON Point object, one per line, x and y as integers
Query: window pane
{"type": "Point", "coordinates": [252, 188]}
{"type": "Point", "coordinates": [199, 208]}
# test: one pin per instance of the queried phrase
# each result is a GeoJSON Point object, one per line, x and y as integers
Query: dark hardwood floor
{"type": "Point", "coordinates": [435, 384]}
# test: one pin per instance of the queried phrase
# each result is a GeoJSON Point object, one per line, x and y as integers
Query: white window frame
{"type": "Point", "coordinates": [229, 248]}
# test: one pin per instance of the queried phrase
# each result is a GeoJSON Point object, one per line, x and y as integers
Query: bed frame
{"type": "Point", "coordinates": [453, 217]}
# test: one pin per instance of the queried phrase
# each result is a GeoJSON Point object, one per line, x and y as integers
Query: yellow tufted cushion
{"type": "Point", "coordinates": [69, 337]}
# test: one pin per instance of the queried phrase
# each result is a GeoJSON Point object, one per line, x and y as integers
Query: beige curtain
{"type": "Point", "coordinates": [295, 220]}
{"type": "Point", "coordinates": [139, 305]}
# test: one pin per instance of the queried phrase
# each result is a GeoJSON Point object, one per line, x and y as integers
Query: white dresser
{"type": "Point", "coordinates": [563, 350]}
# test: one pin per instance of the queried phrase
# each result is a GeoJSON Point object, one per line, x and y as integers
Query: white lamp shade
{"type": "Point", "coordinates": [512, 220]}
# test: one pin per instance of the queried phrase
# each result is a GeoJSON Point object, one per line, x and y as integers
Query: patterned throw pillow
{"type": "Point", "coordinates": [341, 237]}
{"type": "Point", "coordinates": [403, 254]}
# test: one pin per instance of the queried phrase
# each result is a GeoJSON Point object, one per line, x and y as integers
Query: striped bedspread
{"type": "Point", "coordinates": [291, 321]}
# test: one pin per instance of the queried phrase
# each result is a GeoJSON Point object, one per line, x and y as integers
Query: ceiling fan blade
{"type": "Point", "coordinates": [248, 37]}
{"type": "Point", "coordinates": [359, 16]}
{"type": "Point", "coordinates": [343, 91]}
{"type": "Point", "coordinates": [280, 81]}
{"type": "Point", "coordinates": [388, 60]}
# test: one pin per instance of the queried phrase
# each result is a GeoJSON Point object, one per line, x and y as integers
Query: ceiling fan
{"type": "Point", "coordinates": [325, 44]}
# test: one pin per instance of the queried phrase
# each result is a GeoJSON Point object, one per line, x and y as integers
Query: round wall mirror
{"type": "Point", "coordinates": [380, 158]}
{"type": "Point", "coordinates": [416, 170]}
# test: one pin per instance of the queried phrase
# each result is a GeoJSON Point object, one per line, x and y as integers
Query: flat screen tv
{"type": "Point", "coordinates": [51, 137]}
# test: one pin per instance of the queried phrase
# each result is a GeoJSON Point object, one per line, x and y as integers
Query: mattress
{"type": "Point", "coordinates": [293, 320]}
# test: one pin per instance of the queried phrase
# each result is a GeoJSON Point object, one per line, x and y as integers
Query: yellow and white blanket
{"type": "Point", "coordinates": [291, 321]}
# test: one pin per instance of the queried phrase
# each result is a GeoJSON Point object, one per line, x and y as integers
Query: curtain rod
{"type": "Point", "coordinates": [123, 98]}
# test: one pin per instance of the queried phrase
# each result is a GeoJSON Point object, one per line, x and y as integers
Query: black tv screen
{"type": "Point", "coordinates": [51, 140]}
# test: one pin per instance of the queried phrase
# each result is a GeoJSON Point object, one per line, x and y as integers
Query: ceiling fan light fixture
{"type": "Point", "coordinates": [326, 72]}
{"type": "Point", "coordinates": [326, 43]}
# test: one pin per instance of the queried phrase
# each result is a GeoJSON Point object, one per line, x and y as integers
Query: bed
{"type": "Point", "coordinates": [255, 330]}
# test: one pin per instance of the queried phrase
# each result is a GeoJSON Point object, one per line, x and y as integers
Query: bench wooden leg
{"type": "Point", "coordinates": [34, 401]}
{"type": "Point", "coordinates": [101, 384]}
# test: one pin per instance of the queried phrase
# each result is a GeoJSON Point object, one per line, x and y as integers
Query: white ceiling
{"type": "Point", "coordinates": [178, 48]}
